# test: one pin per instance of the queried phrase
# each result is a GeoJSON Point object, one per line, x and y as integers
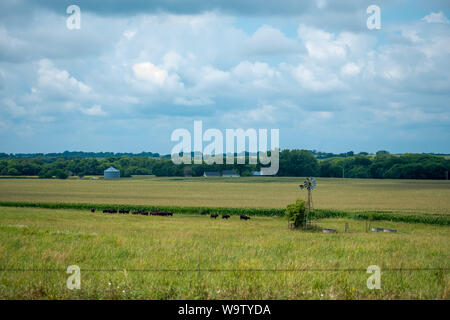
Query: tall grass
{"type": "Point", "coordinates": [195, 257]}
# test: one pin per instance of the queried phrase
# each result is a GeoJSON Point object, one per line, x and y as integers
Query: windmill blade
{"type": "Point", "coordinates": [314, 183]}
{"type": "Point", "coordinates": [309, 184]}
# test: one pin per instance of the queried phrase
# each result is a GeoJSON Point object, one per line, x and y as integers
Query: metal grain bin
{"type": "Point", "coordinates": [111, 173]}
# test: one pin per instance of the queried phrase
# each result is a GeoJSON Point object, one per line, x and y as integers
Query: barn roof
{"type": "Point", "coordinates": [111, 169]}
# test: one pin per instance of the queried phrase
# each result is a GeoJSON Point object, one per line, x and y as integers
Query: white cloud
{"type": "Point", "coordinates": [198, 101]}
{"type": "Point", "coordinates": [266, 113]}
{"type": "Point", "coordinates": [149, 72]}
{"type": "Point", "coordinates": [172, 60]}
{"type": "Point", "coordinates": [321, 44]}
{"type": "Point", "coordinates": [12, 108]}
{"type": "Point", "coordinates": [324, 115]}
{"type": "Point", "coordinates": [350, 69]}
{"type": "Point", "coordinates": [438, 17]}
{"type": "Point", "coordinates": [211, 79]}
{"type": "Point", "coordinates": [268, 40]}
{"type": "Point", "coordinates": [316, 79]}
{"type": "Point", "coordinates": [59, 81]}
{"type": "Point", "coordinates": [328, 46]}
{"type": "Point", "coordinates": [256, 74]}
{"type": "Point", "coordinates": [95, 110]}
{"type": "Point", "coordinates": [129, 34]}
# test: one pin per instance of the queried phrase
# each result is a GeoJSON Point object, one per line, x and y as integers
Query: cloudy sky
{"type": "Point", "coordinates": [137, 70]}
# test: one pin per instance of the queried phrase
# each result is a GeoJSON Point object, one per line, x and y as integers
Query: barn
{"type": "Point", "coordinates": [111, 173]}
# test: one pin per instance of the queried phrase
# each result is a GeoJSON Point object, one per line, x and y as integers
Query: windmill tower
{"type": "Point", "coordinates": [309, 184]}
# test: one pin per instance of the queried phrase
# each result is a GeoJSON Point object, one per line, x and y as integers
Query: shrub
{"type": "Point", "coordinates": [296, 213]}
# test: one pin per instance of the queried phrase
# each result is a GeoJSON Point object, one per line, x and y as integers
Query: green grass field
{"type": "Point", "coordinates": [403, 196]}
{"type": "Point", "coordinates": [213, 258]}
{"type": "Point", "coordinates": [190, 256]}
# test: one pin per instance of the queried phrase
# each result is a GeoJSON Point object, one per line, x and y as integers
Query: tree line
{"type": "Point", "coordinates": [293, 163]}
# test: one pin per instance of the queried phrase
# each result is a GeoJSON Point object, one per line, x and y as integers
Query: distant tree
{"type": "Point", "coordinates": [60, 174]}
{"type": "Point", "coordinates": [298, 163]}
{"type": "Point", "coordinates": [187, 171]}
{"type": "Point", "coordinates": [358, 172]}
{"type": "Point", "coordinates": [13, 172]}
{"type": "Point", "coordinates": [45, 174]}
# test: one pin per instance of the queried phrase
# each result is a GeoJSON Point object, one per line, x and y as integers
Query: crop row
{"type": "Point", "coordinates": [315, 214]}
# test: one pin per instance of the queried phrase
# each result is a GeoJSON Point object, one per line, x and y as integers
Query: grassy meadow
{"type": "Point", "coordinates": [403, 196]}
{"type": "Point", "coordinates": [214, 259]}
{"type": "Point", "coordinates": [190, 256]}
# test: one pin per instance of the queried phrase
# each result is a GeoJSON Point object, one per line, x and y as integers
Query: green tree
{"type": "Point", "coordinates": [298, 163]}
{"type": "Point", "coordinates": [60, 174]}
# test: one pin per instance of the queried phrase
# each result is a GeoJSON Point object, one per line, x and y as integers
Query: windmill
{"type": "Point", "coordinates": [309, 184]}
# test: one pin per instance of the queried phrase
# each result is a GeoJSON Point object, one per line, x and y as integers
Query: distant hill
{"type": "Point", "coordinates": [79, 155]}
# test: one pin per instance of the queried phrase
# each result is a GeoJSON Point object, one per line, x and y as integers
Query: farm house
{"type": "Point", "coordinates": [111, 173]}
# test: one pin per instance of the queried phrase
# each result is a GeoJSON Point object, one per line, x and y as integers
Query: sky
{"type": "Point", "coordinates": [137, 70]}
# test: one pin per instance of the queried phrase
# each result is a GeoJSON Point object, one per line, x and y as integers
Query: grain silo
{"type": "Point", "coordinates": [111, 173]}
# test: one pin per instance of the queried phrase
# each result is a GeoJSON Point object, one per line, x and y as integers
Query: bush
{"type": "Point", "coordinates": [296, 213]}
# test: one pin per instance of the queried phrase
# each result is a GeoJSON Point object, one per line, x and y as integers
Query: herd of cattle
{"type": "Point", "coordinates": [162, 213]}
{"type": "Point", "coordinates": [141, 212]}
{"type": "Point", "coordinates": [227, 216]}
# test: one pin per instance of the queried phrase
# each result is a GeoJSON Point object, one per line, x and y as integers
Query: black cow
{"type": "Point", "coordinates": [214, 215]}
{"type": "Point", "coordinates": [93, 210]}
{"type": "Point", "coordinates": [161, 213]}
{"type": "Point", "coordinates": [123, 211]}
{"type": "Point", "coordinates": [225, 216]}
{"type": "Point", "coordinates": [243, 217]}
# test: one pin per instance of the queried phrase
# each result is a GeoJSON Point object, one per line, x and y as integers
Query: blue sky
{"type": "Point", "coordinates": [137, 70]}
